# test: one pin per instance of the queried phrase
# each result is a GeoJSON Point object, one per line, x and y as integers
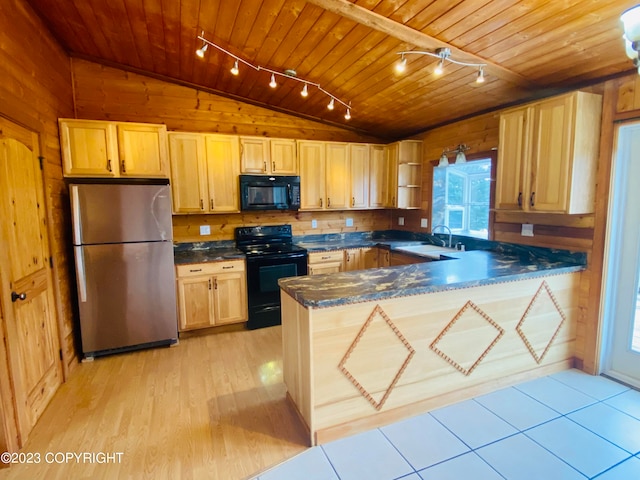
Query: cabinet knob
{"type": "Point", "coordinates": [328, 202]}
{"type": "Point", "coordinates": [123, 166]}
{"type": "Point", "coordinates": [532, 199]}
{"type": "Point", "coordinates": [201, 204]}
{"type": "Point", "coordinates": [520, 199]}
{"type": "Point", "coordinates": [18, 296]}
{"type": "Point", "coordinates": [320, 202]}
{"type": "Point", "coordinates": [109, 165]}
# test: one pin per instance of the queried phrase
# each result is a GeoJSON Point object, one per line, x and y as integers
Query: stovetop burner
{"type": "Point", "coordinates": [266, 240]}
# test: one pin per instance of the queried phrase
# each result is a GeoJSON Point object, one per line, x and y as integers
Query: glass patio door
{"type": "Point", "coordinates": [621, 307]}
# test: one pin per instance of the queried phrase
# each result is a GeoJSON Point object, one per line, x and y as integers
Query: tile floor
{"type": "Point", "coordinates": [569, 425]}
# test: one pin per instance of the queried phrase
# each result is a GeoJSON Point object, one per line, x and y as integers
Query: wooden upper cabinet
{"type": "Point", "coordinates": [359, 173]}
{"type": "Point", "coordinates": [143, 150]}
{"type": "Point", "coordinates": [337, 178]}
{"type": "Point", "coordinates": [556, 142]}
{"type": "Point", "coordinates": [284, 158]}
{"type": "Point", "coordinates": [409, 176]}
{"type": "Point", "coordinates": [223, 170]}
{"type": "Point", "coordinates": [378, 176]}
{"type": "Point", "coordinates": [392, 175]}
{"type": "Point", "coordinates": [312, 160]}
{"type": "Point", "coordinates": [92, 148]}
{"type": "Point", "coordinates": [188, 172]}
{"type": "Point", "coordinates": [255, 155]}
{"type": "Point", "coordinates": [89, 148]}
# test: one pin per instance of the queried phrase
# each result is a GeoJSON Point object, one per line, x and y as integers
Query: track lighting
{"type": "Point", "coordinates": [289, 73]}
{"type": "Point", "coordinates": [443, 55]}
{"type": "Point", "coordinates": [235, 70]}
{"type": "Point", "coordinates": [201, 50]}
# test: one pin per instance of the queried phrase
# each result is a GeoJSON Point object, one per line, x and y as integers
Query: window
{"type": "Point", "coordinates": [461, 197]}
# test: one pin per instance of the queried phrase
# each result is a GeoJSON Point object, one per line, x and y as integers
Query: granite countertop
{"type": "Point", "coordinates": [206, 255]}
{"type": "Point", "coordinates": [461, 270]}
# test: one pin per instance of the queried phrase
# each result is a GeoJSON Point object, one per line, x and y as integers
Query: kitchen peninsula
{"type": "Point", "coordinates": [366, 348]}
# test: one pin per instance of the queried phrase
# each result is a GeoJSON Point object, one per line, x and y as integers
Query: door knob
{"type": "Point", "coordinates": [18, 296]}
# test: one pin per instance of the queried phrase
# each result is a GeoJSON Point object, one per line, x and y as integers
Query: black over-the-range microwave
{"type": "Point", "coordinates": [269, 192]}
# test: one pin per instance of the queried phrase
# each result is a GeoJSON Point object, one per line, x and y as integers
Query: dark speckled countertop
{"type": "Point", "coordinates": [462, 270]}
{"type": "Point", "coordinates": [206, 255]}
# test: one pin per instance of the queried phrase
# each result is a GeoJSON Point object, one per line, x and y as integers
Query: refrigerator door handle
{"type": "Point", "coordinates": [75, 215]}
{"type": "Point", "coordinates": [82, 274]}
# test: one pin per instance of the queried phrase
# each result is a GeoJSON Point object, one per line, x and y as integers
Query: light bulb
{"type": "Point", "coordinates": [331, 104]}
{"type": "Point", "coordinates": [480, 78]}
{"type": "Point", "coordinates": [273, 83]}
{"type": "Point", "coordinates": [200, 51]}
{"type": "Point", "coordinates": [440, 68]}
{"type": "Point", "coordinates": [444, 160]}
{"type": "Point", "coordinates": [305, 91]}
{"type": "Point", "coordinates": [235, 70]}
{"type": "Point", "coordinates": [401, 66]}
{"type": "Point", "coordinates": [347, 116]}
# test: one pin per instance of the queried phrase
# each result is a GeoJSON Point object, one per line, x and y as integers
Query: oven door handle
{"type": "Point", "coordinates": [277, 256]}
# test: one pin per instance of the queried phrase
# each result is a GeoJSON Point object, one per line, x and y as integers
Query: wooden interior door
{"type": "Point", "coordinates": [26, 286]}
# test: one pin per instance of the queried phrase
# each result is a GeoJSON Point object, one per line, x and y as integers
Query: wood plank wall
{"type": "Point", "coordinates": [35, 90]}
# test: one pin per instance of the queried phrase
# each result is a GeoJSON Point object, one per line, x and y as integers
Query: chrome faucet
{"type": "Point", "coordinates": [433, 230]}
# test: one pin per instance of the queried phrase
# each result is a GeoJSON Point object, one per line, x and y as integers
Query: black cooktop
{"type": "Point", "coordinates": [270, 249]}
{"type": "Point", "coordinates": [266, 240]}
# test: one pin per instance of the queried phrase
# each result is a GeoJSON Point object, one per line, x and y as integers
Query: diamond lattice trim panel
{"type": "Point", "coordinates": [541, 322]}
{"type": "Point", "coordinates": [467, 339]}
{"type": "Point", "coordinates": [379, 340]}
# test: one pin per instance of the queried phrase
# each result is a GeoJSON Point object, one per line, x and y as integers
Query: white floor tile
{"type": "Point", "coordinates": [556, 395]}
{"type": "Point", "coordinates": [367, 455]}
{"type": "Point", "coordinates": [594, 386]}
{"type": "Point", "coordinates": [310, 464]}
{"type": "Point", "coordinates": [516, 408]}
{"type": "Point", "coordinates": [625, 471]}
{"type": "Point", "coordinates": [580, 448]}
{"type": "Point", "coordinates": [473, 424]}
{"type": "Point", "coordinates": [612, 424]}
{"type": "Point", "coordinates": [465, 466]}
{"type": "Point", "coordinates": [627, 402]}
{"type": "Point", "coordinates": [519, 457]}
{"type": "Point", "coordinates": [423, 441]}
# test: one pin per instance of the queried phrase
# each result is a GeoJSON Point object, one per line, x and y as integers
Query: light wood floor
{"type": "Point", "coordinates": [212, 407]}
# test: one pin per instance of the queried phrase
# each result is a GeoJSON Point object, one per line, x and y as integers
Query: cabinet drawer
{"type": "Point", "coordinates": [322, 257]}
{"type": "Point", "coordinates": [212, 268]}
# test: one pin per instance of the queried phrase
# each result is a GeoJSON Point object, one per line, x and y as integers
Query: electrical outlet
{"type": "Point", "coordinates": [349, 222]}
{"type": "Point", "coordinates": [527, 230]}
{"type": "Point", "coordinates": [400, 220]}
{"type": "Point", "coordinates": [205, 230]}
{"type": "Point", "coordinates": [314, 223]}
{"type": "Point", "coordinates": [424, 223]}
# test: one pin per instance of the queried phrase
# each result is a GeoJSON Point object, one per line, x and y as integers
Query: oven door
{"type": "Point", "coordinates": [263, 273]}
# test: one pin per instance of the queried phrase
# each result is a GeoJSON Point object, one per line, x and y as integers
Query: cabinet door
{"type": "Point", "coordinates": [352, 259]}
{"type": "Point", "coordinates": [378, 176]}
{"type": "Point", "coordinates": [369, 257]}
{"type": "Point", "coordinates": [89, 148]}
{"type": "Point", "coordinates": [329, 267]}
{"type": "Point", "coordinates": [396, 259]}
{"type": "Point", "coordinates": [284, 160]}
{"type": "Point", "coordinates": [188, 176]}
{"type": "Point", "coordinates": [143, 150]}
{"type": "Point", "coordinates": [359, 166]}
{"type": "Point", "coordinates": [513, 154]}
{"type": "Point", "coordinates": [337, 176]}
{"type": "Point", "coordinates": [255, 154]}
{"type": "Point", "coordinates": [223, 170]}
{"type": "Point", "coordinates": [312, 175]}
{"type": "Point", "coordinates": [196, 303]}
{"type": "Point", "coordinates": [550, 159]}
{"type": "Point", "coordinates": [392, 175]}
{"type": "Point", "coordinates": [230, 293]}
{"type": "Point", "coordinates": [383, 257]}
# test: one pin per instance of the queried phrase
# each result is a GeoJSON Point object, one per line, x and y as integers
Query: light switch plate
{"type": "Point", "coordinates": [400, 220]}
{"type": "Point", "coordinates": [314, 223]}
{"type": "Point", "coordinates": [205, 230]}
{"type": "Point", "coordinates": [527, 230]}
{"type": "Point", "coordinates": [349, 222]}
{"type": "Point", "coordinates": [424, 223]}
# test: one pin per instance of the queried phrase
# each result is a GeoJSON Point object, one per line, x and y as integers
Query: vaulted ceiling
{"type": "Point", "coordinates": [530, 47]}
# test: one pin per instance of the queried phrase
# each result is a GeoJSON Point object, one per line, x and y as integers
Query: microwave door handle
{"type": "Point", "coordinates": [289, 197]}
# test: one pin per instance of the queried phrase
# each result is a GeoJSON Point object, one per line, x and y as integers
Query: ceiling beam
{"type": "Point", "coordinates": [420, 40]}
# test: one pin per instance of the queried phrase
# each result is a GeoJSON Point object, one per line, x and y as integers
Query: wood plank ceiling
{"type": "Point", "coordinates": [531, 48]}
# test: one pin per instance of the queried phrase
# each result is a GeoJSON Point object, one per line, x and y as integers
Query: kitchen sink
{"type": "Point", "coordinates": [431, 251]}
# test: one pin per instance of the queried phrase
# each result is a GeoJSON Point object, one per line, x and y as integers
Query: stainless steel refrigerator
{"type": "Point", "coordinates": [123, 250]}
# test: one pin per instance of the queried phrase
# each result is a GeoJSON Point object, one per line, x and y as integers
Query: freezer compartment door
{"type": "Point", "coordinates": [126, 294]}
{"type": "Point", "coordinates": [116, 213]}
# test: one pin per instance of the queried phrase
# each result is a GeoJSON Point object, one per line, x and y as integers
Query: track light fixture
{"type": "Point", "coordinates": [631, 20]}
{"type": "Point", "coordinates": [291, 74]}
{"type": "Point", "coordinates": [460, 156]}
{"type": "Point", "coordinates": [443, 55]}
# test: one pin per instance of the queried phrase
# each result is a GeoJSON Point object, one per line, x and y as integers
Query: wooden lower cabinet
{"type": "Point", "coordinates": [396, 258]}
{"type": "Point", "coordinates": [348, 260]}
{"type": "Point", "coordinates": [326, 262]}
{"type": "Point", "coordinates": [211, 294]}
{"type": "Point", "coordinates": [353, 259]}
